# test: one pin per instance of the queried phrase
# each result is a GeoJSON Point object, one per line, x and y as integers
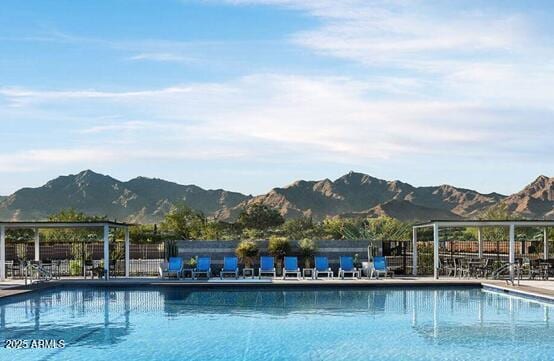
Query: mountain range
{"type": "Point", "coordinates": [147, 200]}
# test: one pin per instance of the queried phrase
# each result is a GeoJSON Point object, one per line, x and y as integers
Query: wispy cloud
{"type": "Point", "coordinates": [164, 57]}
{"type": "Point", "coordinates": [271, 115]}
{"type": "Point", "coordinates": [454, 82]}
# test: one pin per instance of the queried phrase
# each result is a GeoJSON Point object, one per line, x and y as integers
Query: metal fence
{"type": "Point", "coordinates": [497, 252]}
{"type": "Point", "coordinates": [68, 259]}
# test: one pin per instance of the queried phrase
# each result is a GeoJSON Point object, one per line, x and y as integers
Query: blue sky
{"type": "Point", "coordinates": [247, 95]}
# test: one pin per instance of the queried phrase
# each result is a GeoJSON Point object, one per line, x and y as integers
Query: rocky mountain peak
{"type": "Point", "coordinates": [148, 199]}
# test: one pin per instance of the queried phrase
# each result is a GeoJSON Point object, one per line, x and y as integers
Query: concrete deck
{"type": "Point", "coordinates": [540, 289]}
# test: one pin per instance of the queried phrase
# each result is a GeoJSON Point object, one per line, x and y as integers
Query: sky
{"type": "Point", "coordinates": [247, 95]}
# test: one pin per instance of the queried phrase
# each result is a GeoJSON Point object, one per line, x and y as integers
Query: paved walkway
{"type": "Point", "coordinates": [543, 289]}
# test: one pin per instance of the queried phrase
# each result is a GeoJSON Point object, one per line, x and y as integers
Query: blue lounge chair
{"type": "Point", "coordinates": [174, 267]}
{"type": "Point", "coordinates": [267, 266]}
{"type": "Point", "coordinates": [230, 266]}
{"type": "Point", "coordinates": [203, 266]}
{"type": "Point", "coordinates": [380, 266]}
{"type": "Point", "coordinates": [291, 267]}
{"type": "Point", "coordinates": [347, 266]}
{"type": "Point", "coordinates": [322, 267]}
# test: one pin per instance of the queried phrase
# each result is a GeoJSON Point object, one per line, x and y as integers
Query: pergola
{"type": "Point", "coordinates": [105, 225]}
{"type": "Point", "coordinates": [436, 225]}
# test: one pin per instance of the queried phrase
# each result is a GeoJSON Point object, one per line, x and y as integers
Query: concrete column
{"type": "Point", "coordinates": [37, 245]}
{"type": "Point", "coordinates": [545, 243]}
{"type": "Point", "coordinates": [414, 251]}
{"type": "Point", "coordinates": [436, 251]}
{"type": "Point", "coordinates": [480, 242]}
{"type": "Point", "coordinates": [512, 255]}
{"type": "Point", "coordinates": [2, 253]}
{"type": "Point", "coordinates": [107, 251]}
{"type": "Point", "coordinates": [127, 252]}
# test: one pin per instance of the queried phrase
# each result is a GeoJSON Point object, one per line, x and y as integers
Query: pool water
{"type": "Point", "coordinates": [175, 323]}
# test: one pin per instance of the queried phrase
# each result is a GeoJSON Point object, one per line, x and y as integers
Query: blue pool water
{"type": "Point", "coordinates": [176, 323]}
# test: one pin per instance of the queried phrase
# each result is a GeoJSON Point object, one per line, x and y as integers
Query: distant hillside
{"type": "Point", "coordinates": [354, 194]}
{"type": "Point", "coordinates": [536, 200]}
{"type": "Point", "coordinates": [363, 194]}
{"type": "Point", "coordinates": [138, 200]}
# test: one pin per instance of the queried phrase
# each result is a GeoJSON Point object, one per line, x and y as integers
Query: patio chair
{"type": "Point", "coordinates": [230, 266]}
{"type": "Point", "coordinates": [175, 266]}
{"type": "Point", "coordinates": [203, 267]}
{"type": "Point", "coordinates": [380, 266]}
{"type": "Point", "coordinates": [87, 269]}
{"type": "Point", "coordinates": [483, 268]}
{"type": "Point", "coordinates": [162, 269]}
{"type": "Point", "coordinates": [267, 266]}
{"type": "Point", "coordinates": [322, 267]}
{"type": "Point", "coordinates": [291, 267]}
{"type": "Point", "coordinates": [448, 266]}
{"type": "Point", "coordinates": [347, 266]}
{"type": "Point", "coordinates": [463, 268]}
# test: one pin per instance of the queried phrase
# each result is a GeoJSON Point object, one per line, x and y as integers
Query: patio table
{"type": "Point", "coordinates": [248, 272]}
{"type": "Point", "coordinates": [185, 271]}
{"type": "Point", "coordinates": [307, 271]}
{"type": "Point", "coordinates": [544, 270]}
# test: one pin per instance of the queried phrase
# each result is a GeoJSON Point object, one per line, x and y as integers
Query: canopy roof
{"type": "Point", "coordinates": [55, 224]}
{"type": "Point", "coordinates": [487, 223]}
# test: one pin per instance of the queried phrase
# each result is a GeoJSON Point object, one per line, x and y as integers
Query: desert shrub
{"type": "Point", "coordinates": [307, 248]}
{"type": "Point", "coordinates": [247, 251]}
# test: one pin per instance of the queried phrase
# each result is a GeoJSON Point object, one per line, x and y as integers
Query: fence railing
{"type": "Point", "coordinates": [74, 259]}
{"type": "Point", "coordinates": [68, 259]}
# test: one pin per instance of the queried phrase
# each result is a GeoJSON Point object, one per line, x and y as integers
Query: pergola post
{"type": "Point", "coordinates": [2, 252]}
{"type": "Point", "coordinates": [512, 255]}
{"type": "Point", "coordinates": [127, 256]}
{"type": "Point", "coordinates": [545, 243]}
{"type": "Point", "coordinates": [436, 251]}
{"type": "Point", "coordinates": [414, 251]}
{"type": "Point", "coordinates": [107, 251]}
{"type": "Point", "coordinates": [480, 242]}
{"type": "Point", "coordinates": [37, 245]}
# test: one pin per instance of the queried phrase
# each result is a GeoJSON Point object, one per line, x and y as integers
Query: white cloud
{"type": "Point", "coordinates": [163, 57]}
{"type": "Point", "coordinates": [448, 85]}
{"type": "Point", "coordinates": [449, 51]}
{"type": "Point", "coordinates": [264, 116]}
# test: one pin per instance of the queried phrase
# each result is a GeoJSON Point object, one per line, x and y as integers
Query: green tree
{"type": "Point", "coordinates": [145, 233]}
{"type": "Point", "coordinates": [259, 216]}
{"type": "Point", "coordinates": [333, 227]}
{"type": "Point", "coordinates": [73, 235]}
{"type": "Point", "coordinates": [183, 222]}
{"type": "Point", "coordinates": [498, 212]}
{"type": "Point", "coordinates": [298, 228]}
{"type": "Point", "coordinates": [377, 229]}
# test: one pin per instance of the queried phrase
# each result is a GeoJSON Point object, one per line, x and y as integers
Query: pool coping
{"type": "Point", "coordinates": [536, 293]}
{"type": "Point", "coordinates": [533, 293]}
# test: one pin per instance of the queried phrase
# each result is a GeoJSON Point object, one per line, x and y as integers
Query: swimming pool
{"type": "Point", "coordinates": [175, 323]}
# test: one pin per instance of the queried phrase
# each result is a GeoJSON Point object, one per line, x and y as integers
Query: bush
{"type": "Point", "coordinates": [246, 251]}
{"type": "Point", "coordinates": [75, 267]}
{"type": "Point", "coordinates": [307, 249]}
{"type": "Point", "coordinates": [278, 247]}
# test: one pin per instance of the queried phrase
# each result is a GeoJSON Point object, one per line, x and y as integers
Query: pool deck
{"type": "Point", "coordinates": [538, 289]}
